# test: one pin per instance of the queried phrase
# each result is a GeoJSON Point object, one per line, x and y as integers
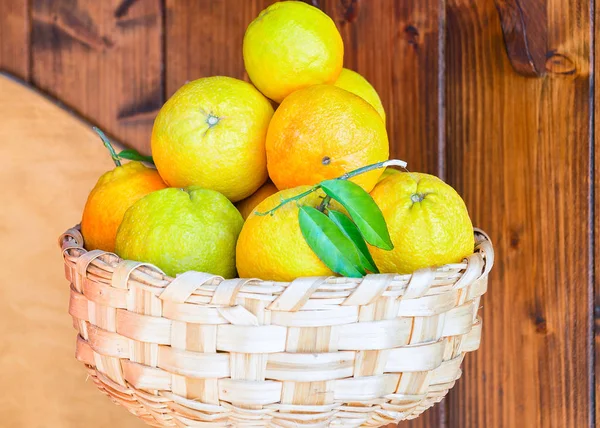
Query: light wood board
{"type": "Point", "coordinates": [49, 161]}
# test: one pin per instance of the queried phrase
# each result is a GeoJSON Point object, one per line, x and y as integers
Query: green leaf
{"type": "Point", "coordinates": [135, 156]}
{"type": "Point", "coordinates": [362, 209]}
{"type": "Point", "coordinates": [329, 243]}
{"type": "Point", "coordinates": [351, 231]}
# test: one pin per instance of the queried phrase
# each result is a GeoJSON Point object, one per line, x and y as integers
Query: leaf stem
{"type": "Point", "coordinates": [108, 145]}
{"type": "Point", "coordinates": [361, 170]}
{"type": "Point", "coordinates": [324, 203]}
{"type": "Point", "coordinates": [285, 201]}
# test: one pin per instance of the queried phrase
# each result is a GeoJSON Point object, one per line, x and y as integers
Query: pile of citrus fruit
{"type": "Point", "coordinates": [301, 152]}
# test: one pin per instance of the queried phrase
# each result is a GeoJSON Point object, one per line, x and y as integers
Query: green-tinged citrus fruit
{"type": "Point", "coordinates": [182, 229]}
{"type": "Point", "coordinates": [387, 172]}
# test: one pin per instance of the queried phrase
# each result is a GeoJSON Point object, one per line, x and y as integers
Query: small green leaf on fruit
{"type": "Point", "coordinates": [329, 243]}
{"type": "Point", "coordinates": [362, 209]}
{"type": "Point", "coordinates": [133, 155]}
{"type": "Point", "coordinates": [351, 231]}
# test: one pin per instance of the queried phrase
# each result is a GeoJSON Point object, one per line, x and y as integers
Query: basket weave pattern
{"type": "Point", "coordinates": [198, 350]}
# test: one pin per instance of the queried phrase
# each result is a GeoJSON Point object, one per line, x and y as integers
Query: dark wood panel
{"type": "Point", "coordinates": [104, 59]}
{"type": "Point", "coordinates": [204, 38]}
{"type": "Point", "coordinates": [518, 151]}
{"type": "Point", "coordinates": [397, 46]}
{"type": "Point", "coordinates": [596, 241]}
{"type": "Point", "coordinates": [14, 38]}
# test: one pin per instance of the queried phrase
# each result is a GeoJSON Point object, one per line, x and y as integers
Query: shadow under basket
{"type": "Point", "coordinates": [198, 350]}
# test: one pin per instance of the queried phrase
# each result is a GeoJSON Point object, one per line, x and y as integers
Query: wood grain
{"type": "Point", "coordinates": [518, 151]}
{"type": "Point", "coordinates": [104, 59]}
{"type": "Point", "coordinates": [392, 44]}
{"type": "Point", "coordinates": [595, 157]}
{"type": "Point", "coordinates": [14, 37]}
{"type": "Point", "coordinates": [398, 47]}
{"type": "Point", "coordinates": [37, 363]}
{"type": "Point", "coordinates": [525, 28]}
{"type": "Point", "coordinates": [204, 38]}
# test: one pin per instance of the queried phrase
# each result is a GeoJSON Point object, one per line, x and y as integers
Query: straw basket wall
{"type": "Point", "coordinates": [198, 350]}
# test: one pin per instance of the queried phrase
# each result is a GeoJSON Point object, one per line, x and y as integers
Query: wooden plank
{"type": "Point", "coordinates": [518, 151]}
{"type": "Point", "coordinates": [103, 59]}
{"type": "Point", "coordinates": [204, 38]}
{"type": "Point", "coordinates": [398, 46]}
{"type": "Point", "coordinates": [14, 38]}
{"type": "Point", "coordinates": [596, 242]}
{"type": "Point", "coordinates": [39, 350]}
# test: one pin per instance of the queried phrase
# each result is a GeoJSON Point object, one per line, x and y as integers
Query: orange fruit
{"type": "Point", "coordinates": [211, 133]}
{"type": "Point", "coordinates": [112, 195]}
{"type": "Point", "coordinates": [272, 247]}
{"type": "Point", "coordinates": [427, 220]}
{"type": "Point", "coordinates": [322, 132]}
{"type": "Point", "coordinates": [358, 85]}
{"type": "Point", "coordinates": [246, 206]}
{"type": "Point", "coordinates": [291, 45]}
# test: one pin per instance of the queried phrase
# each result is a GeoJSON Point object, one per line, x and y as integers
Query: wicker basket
{"type": "Point", "coordinates": [198, 350]}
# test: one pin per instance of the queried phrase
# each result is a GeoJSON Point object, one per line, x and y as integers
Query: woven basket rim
{"type": "Point", "coordinates": [72, 245]}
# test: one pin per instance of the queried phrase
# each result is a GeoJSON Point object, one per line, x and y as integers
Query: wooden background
{"type": "Point", "coordinates": [518, 145]}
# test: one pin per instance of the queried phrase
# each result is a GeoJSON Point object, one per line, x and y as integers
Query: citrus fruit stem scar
{"type": "Point", "coordinates": [417, 197]}
{"type": "Point", "coordinates": [212, 120]}
{"type": "Point", "coordinates": [346, 176]}
{"type": "Point", "coordinates": [109, 146]}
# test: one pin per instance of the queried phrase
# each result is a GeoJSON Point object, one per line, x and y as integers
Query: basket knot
{"type": "Point", "coordinates": [184, 285]}
{"type": "Point", "coordinates": [296, 294]}
{"type": "Point", "coordinates": [83, 261]}
{"type": "Point", "coordinates": [369, 289]}
{"type": "Point", "coordinates": [123, 271]}
{"type": "Point", "coordinates": [420, 282]}
{"type": "Point", "coordinates": [227, 291]}
{"type": "Point", "coordinates": [474, 271]}
{"type": "Point", "coordinates": [72, 238]}
{"type": "Point", "coordinates": [485, 248]}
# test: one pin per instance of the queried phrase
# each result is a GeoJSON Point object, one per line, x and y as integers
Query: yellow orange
{"type": "Point", "coordinates": [211, 133]}
{"type": "Point", "coordinates": [113, 194]}
{"type": "Point", "coordinates": [427, 220]}
{"type": "Point", "coordinates": [291, 45]}
{"type": "Point", "coordinates": [246, 206]}
{"type": "Point", "coordinates": [358, 85]}
{"type": "Point", "coordinates": [322, 132]}
{"type": "Point", "coordinates": [272, 247]}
